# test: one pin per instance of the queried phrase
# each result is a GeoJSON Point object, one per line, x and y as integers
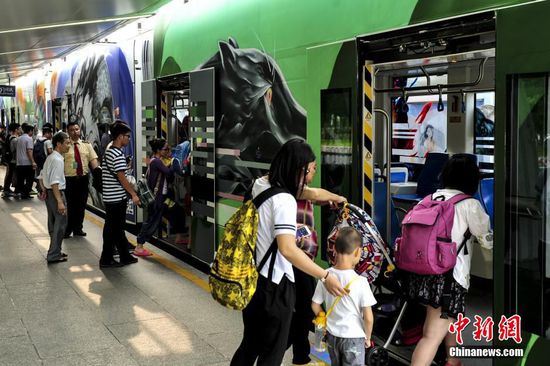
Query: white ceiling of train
{"type": "Point", "coordinates": [34, 32]}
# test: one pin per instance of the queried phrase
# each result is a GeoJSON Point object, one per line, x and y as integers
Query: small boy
{"type": "Point", "coordinates": [349, 324]}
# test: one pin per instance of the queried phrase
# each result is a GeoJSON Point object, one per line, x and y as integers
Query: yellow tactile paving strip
{"type": "Point", "coordinates": [164, 261]}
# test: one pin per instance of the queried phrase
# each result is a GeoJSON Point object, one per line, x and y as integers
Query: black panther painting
{"type": "Point", "coordinates": [258, 112]}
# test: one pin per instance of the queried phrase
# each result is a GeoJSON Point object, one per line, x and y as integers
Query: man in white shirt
{"type": "Point", "coordinates": [52, 181]}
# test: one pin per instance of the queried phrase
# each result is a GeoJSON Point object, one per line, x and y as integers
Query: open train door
{"type": "Point", "coordinates": [203, 168]}
{"type": "Point", "coordinates": [522, 177]}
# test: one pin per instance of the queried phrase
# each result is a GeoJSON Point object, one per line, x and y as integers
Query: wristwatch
{"type": "Point", "coordinates": [323, 280]}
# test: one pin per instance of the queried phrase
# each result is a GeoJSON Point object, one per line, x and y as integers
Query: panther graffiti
{"type": "Point", "coordinates": [258, 111]}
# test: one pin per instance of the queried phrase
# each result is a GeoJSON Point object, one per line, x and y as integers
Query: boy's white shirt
{"type": "Point", "coordinates": [346, 318]}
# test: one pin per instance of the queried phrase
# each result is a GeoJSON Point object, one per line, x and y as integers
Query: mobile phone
{"type": "Point", "coordinates": [302, 232]}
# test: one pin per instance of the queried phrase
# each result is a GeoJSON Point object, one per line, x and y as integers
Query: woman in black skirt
{"type": "Point", "coordinates": [459, 175]}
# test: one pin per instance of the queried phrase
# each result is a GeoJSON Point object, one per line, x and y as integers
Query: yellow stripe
{"type": "Point", "coordinates": [367, 196]}
{"type": "Point", "coordinates": [367, 129]}
{"type": "Point", "coordinates": [368, 90]}
{"type": "Point", "coordinates": [367, 168]}
{"type": "Point", "coordinates": [165, 262]}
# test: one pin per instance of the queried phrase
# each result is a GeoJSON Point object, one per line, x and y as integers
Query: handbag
{"type": "Point", "coordinates": [308, 244]}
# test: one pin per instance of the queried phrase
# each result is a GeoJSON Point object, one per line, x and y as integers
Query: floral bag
{"type": "Point", "coordinates": [308, 244]}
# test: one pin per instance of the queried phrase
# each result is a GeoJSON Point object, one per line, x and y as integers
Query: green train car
{"type": "Point", "coordinates": [373, 86]}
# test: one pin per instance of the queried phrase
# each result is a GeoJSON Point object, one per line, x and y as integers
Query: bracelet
{"type": "Point", "coordinates": [325, 278]}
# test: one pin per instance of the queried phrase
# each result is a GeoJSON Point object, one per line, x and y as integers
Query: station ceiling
{"type": "Point", "coordinates": [34, 32]}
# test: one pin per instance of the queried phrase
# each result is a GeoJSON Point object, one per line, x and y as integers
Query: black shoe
{"type": "Point", "coordinates": [62, 259]}
{"type": "Point", "coordinates": [67, 235]}
{"type": "Point", "coordinates": [64, 255]}
{"type": "Point", "coordinates": [129, 260]}
{"type": "Point", "coordinates": [79, 233]}
{"type": "Point", "coordinates": [111, 264]}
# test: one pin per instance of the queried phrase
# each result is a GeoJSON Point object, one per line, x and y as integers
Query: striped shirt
{"type": "Point", "coordinates": [113, 162]}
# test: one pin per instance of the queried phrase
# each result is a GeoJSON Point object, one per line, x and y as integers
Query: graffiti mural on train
{"type": "Point", "coordinates": [258, 112]}
{"type": "Point", "coordinates": [102, 91]}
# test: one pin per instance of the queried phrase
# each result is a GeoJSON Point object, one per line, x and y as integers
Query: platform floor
{"type": "Point", "coordinates": [155, 312]}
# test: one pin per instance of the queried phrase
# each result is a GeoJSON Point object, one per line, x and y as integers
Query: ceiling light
{"type": "Point", "coordinates": [70, 24]}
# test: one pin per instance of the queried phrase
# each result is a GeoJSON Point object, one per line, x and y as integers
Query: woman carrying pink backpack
{"type": "Point", "coordinates": [460, 176]}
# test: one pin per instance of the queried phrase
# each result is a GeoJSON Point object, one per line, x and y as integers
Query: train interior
{"type": "Point", "coordinates": [173, 125]}
{"type": "Point", "coordinates": [433, 96]}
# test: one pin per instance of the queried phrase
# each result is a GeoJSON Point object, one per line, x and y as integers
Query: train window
{"type": "Point", "coordinates": [528, 203]}
{"type": "Point", "coordinates": [336, 151]}
{"type": "Point", "coordinates": [484, 131]}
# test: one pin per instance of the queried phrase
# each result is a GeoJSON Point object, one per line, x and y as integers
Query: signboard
{"type": "Point", "coordinates": [7, 90]}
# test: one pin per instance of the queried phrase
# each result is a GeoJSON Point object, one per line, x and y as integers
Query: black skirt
{"type": "Point", "coordinates": [428, 290]}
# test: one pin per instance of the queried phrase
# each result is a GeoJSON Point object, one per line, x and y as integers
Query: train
{"type": "Point", "coordinates": [377, 88]}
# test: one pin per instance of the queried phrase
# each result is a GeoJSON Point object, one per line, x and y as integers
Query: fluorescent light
{"type": "Point", "coordinates": [70, 24]}
{"type": "Point", "coordinates": [43, 48]}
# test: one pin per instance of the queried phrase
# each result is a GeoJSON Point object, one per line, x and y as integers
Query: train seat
{"type": "Point", "coordinates": [399, 174]}
{"type": "Point", "coordinates": [487, 193]}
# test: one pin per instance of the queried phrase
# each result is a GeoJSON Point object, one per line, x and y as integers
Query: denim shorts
{"type": "Point", "coordinates": [346, 351]}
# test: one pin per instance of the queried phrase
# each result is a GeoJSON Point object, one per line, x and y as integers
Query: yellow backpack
{"type": "Point", "coordinates": [233, 274]}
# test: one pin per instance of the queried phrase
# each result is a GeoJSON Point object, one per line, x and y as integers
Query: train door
{"type": "Point", "coordinates": [427, 93]}
{"type": "Point", "coordinates": [183, 113]}
{"type": "Point", "coordinates": [171, 109]}
{"type": "Point", "coordinates": [522, 284]}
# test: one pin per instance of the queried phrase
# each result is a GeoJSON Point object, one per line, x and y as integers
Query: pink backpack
{"type": "Point", "coordinates": [425, 246]}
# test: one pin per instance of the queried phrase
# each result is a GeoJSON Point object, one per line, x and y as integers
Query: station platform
{"type": "Point", "coordinates": [155, 312]}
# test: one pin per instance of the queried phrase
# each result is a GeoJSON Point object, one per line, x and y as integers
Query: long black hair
{"type": "Point", "coordinates": [288, 168]}
{"type": "Point", "coordinates": [157, 144]}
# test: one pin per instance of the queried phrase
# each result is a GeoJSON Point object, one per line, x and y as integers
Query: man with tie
{"type": "Point", "coordinates": [80, 158]}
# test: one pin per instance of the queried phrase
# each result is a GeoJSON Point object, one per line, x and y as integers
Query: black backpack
{"type": "Point", "coordinates": [7, 156]}
{"type": "Point", "coordinates": [38, 153]}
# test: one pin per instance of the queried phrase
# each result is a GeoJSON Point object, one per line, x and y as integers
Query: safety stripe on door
{"type": "Point", "coordinates": [164, 115]}
{"type": "Point", "coordinates": [368, 170]}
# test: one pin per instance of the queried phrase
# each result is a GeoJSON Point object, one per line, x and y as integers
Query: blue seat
{"type": "Point", "coordinates": [379, 216]}
{"type": "Point", "coordinates": [487, 193]}
{"type": "Point", "coordinates": [428, 180]}
{"type": "Point", "coordinates": [399, 174]}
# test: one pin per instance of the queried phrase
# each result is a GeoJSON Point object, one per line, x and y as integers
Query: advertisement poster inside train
{"type": "Point", "coordinates": [419, 128]}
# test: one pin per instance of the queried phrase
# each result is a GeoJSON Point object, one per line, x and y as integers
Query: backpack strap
{"type": "Point", "coordinates": [448, 278]}
{"type": "Point", "coordinates": [340, 297]}
{"type": "Point", "coordinates": [458, 198]}
{"type": "Point", "coordinates": [261, 198]}
{"type": "Point", "coordinates": [271, 251]}
{"type": "Point", "coordinates": [267, 194]}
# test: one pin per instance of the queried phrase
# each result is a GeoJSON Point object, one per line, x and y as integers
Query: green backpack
{"type": "Point", "coordinates": [233, 274]}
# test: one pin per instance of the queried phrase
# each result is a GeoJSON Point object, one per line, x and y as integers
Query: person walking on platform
{"type": "Point", "coordinates": [268, 315]}
{"type": "Point", "coordinates": [115, 190]}
{"type": "Point", "coordinates": [10, 156]}
{"type": "Point", "coordinates": [78, 160]}
{"type": "Point", "coordinates": [158, 177]}
{"type": "Point", "coordinates": [42, 148]}
{"type": "Point", "coordinates": [52, 181]}
{"type": "Point", "coordinates": [25, 161]}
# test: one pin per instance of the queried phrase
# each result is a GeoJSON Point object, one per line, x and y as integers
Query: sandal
{"type": "Point", "coordinates": [142, 252]}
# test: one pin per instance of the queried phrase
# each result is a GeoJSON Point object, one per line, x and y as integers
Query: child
{"type": "Point", "coordinates": [349, 320]}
